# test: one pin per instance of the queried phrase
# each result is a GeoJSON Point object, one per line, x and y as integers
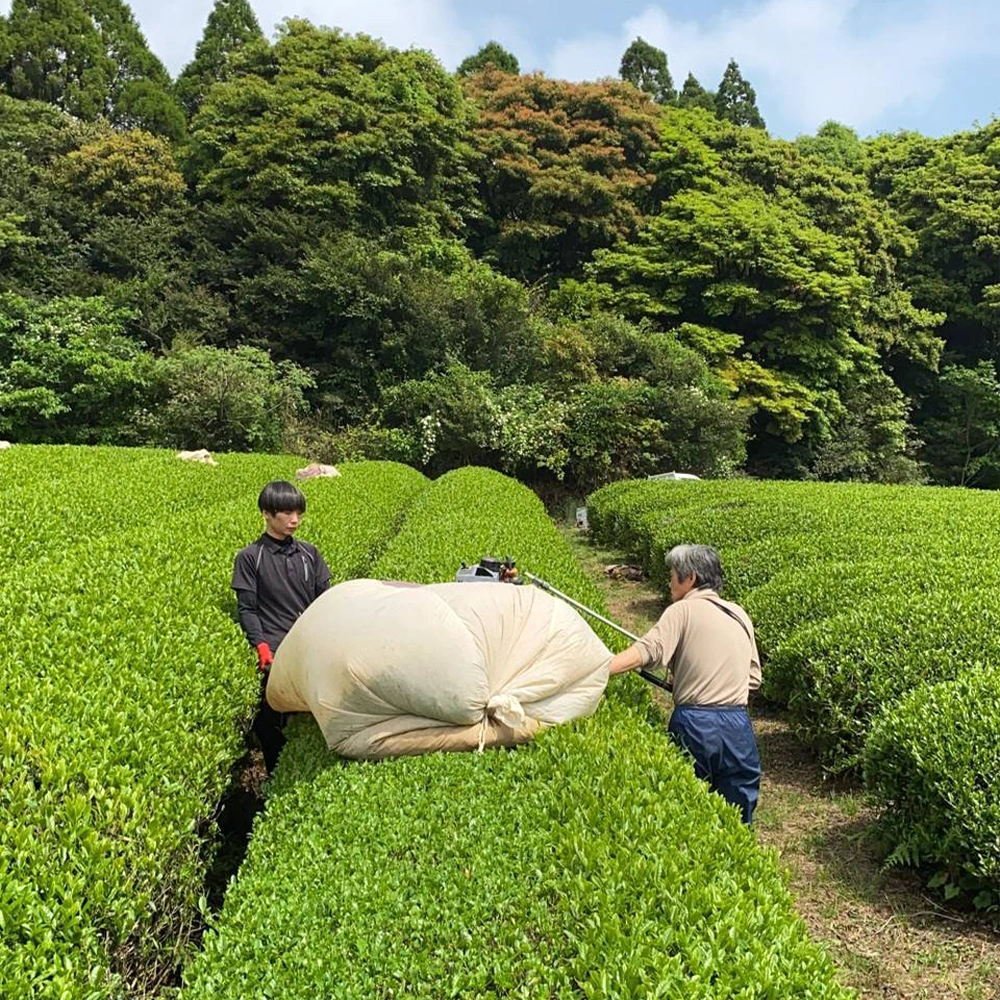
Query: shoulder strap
{"type": "Point", "coordinates": [736, 618]}
{"type": "Point", "coordinates": [260, 554]}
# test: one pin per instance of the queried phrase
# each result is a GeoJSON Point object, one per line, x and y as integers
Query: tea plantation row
{"type": "Point", "coordinates": [591, 863]}
{"type": "Point", "coordinates": [878, 617]}
{"type": "Point", "coordinates": [126, 688]}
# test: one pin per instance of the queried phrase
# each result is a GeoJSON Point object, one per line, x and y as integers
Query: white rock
{"type": "Point", "coordinates": [316, 470]}
{"type": "Point", "coordinates": [201, 455]}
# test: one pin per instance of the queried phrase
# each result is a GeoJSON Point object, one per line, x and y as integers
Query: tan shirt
{"type": "Point", "coordinates": [712, 659]}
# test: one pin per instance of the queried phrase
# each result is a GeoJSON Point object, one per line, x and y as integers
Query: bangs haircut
{"type": "Point", "coordinates": [280, 496]}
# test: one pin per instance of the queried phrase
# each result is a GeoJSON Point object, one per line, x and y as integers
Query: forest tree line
{"type": "Point", "coordinates": [324, 244]}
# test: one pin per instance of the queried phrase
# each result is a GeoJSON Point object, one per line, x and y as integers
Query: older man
{"type": "Point", "coordinates": [708, 646]}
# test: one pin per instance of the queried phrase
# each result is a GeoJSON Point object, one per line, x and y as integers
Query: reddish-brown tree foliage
{"type": "Point", "coordinates": [563, 168]}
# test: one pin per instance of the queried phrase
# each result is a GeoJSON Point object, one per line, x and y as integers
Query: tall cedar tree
{"type": "Point", "coordinates": [645, 66]}
{"type": "Point", "coordinates": [89, 58]}
{"type": "Point", "coordinates": [735, 100]}
{"type": "Point", "coordinates": [563, 168]}
{"type": "Point", "coordinates": [491, 54]}
{"type": "Point", "coordinates": [694, 95]}
{"type": "Point", "coordinates": [230, 26]}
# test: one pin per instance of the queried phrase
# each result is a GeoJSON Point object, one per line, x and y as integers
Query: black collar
{"type": "Point", "coordinates": [285, 547]}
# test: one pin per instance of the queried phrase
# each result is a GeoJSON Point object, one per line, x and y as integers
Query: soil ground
{"type": "Point", "coordinates": [888, 936]}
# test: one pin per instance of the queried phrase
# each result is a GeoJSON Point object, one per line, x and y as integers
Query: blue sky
{"type": "Point", "coordinates": [876, 65]}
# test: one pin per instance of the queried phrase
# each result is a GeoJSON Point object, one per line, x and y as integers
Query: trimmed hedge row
{"type": "Point", "coordinates": [839, 634]}
{"type": "Point", "coordinates": [767, 530]}
{"type": "Point", "coordinates": [591, 863]}
{"type": "Point", "coordinates": [125, 697]}
{"type": "Point", "coordinates": [846, 668]}
{"type": "Point", "coordinates": [471, 513]}
{"type": "Point", "coordinates": [62, 495]}
{"type": "Point", "coordinates": [845, 638]}
{"type": "Point", "coordinates": [933, 759]}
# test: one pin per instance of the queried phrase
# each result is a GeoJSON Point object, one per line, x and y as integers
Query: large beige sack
{"type": "Point", "coordinates": [389, 669]}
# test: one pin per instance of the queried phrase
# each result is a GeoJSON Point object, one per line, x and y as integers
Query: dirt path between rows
{"type": "Point", "coordinates": [888, 937]}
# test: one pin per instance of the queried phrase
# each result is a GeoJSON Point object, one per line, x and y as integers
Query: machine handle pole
{"type": "Point", "coordinates": [579, 607]}
{"type": "Point", "coordinates": [644, 674]}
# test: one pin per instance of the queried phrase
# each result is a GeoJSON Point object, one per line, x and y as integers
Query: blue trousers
{"type": "Point", "coordinates": [722, 743]}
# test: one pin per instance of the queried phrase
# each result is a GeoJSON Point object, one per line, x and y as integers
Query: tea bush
{"type": "Point", "coordinates": [860, 594]}
{"type": "Point", "coordinates": [932, 758]}
{"type": "Point", "coordinates": [590, 863]}
{"type": "Point", "coordinates": [127, 689]}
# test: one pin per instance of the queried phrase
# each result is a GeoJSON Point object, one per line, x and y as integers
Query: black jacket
{"type": "Point", "coordinates": [274, 583]}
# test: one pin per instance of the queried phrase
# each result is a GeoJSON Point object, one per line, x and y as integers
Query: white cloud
{"type": "Point", "coordinates": [425, 24]}
{"type": "Point", "coordinates": [514, 35]}
{"type": "Point", "coordinates": [808, 60]}
{"type": "Point", "coordinates": [173, 29]}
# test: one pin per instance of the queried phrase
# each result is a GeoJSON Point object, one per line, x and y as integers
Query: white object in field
{"type": "Point", "coordinates": [316, 470]}
{"type": "Point", "coordinates": [4, 445]}
{"type": "Point", "coordinates": [201, 455]}
{"type": "Point", "coordinates": [390, 669]}
{"type": "Point", "coordinates": [674, 475]}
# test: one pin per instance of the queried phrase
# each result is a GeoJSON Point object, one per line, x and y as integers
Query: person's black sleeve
{"type": "Point", "coordinates": [322, 574]}
{"type": "Point", "coordinates": [245, 585]}
{"type": "Point", "coordinates": [246, 608]}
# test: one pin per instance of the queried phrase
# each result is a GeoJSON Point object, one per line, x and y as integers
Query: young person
{"type": "Point", "coordinates": [276, 578]}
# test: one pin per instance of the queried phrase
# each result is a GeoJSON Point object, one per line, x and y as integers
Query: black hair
{"type": "Point", "coordinates": [281, 495]}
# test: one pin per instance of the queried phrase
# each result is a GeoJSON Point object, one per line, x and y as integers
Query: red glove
{"type": "Point", "coordinates": [264, 657]}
